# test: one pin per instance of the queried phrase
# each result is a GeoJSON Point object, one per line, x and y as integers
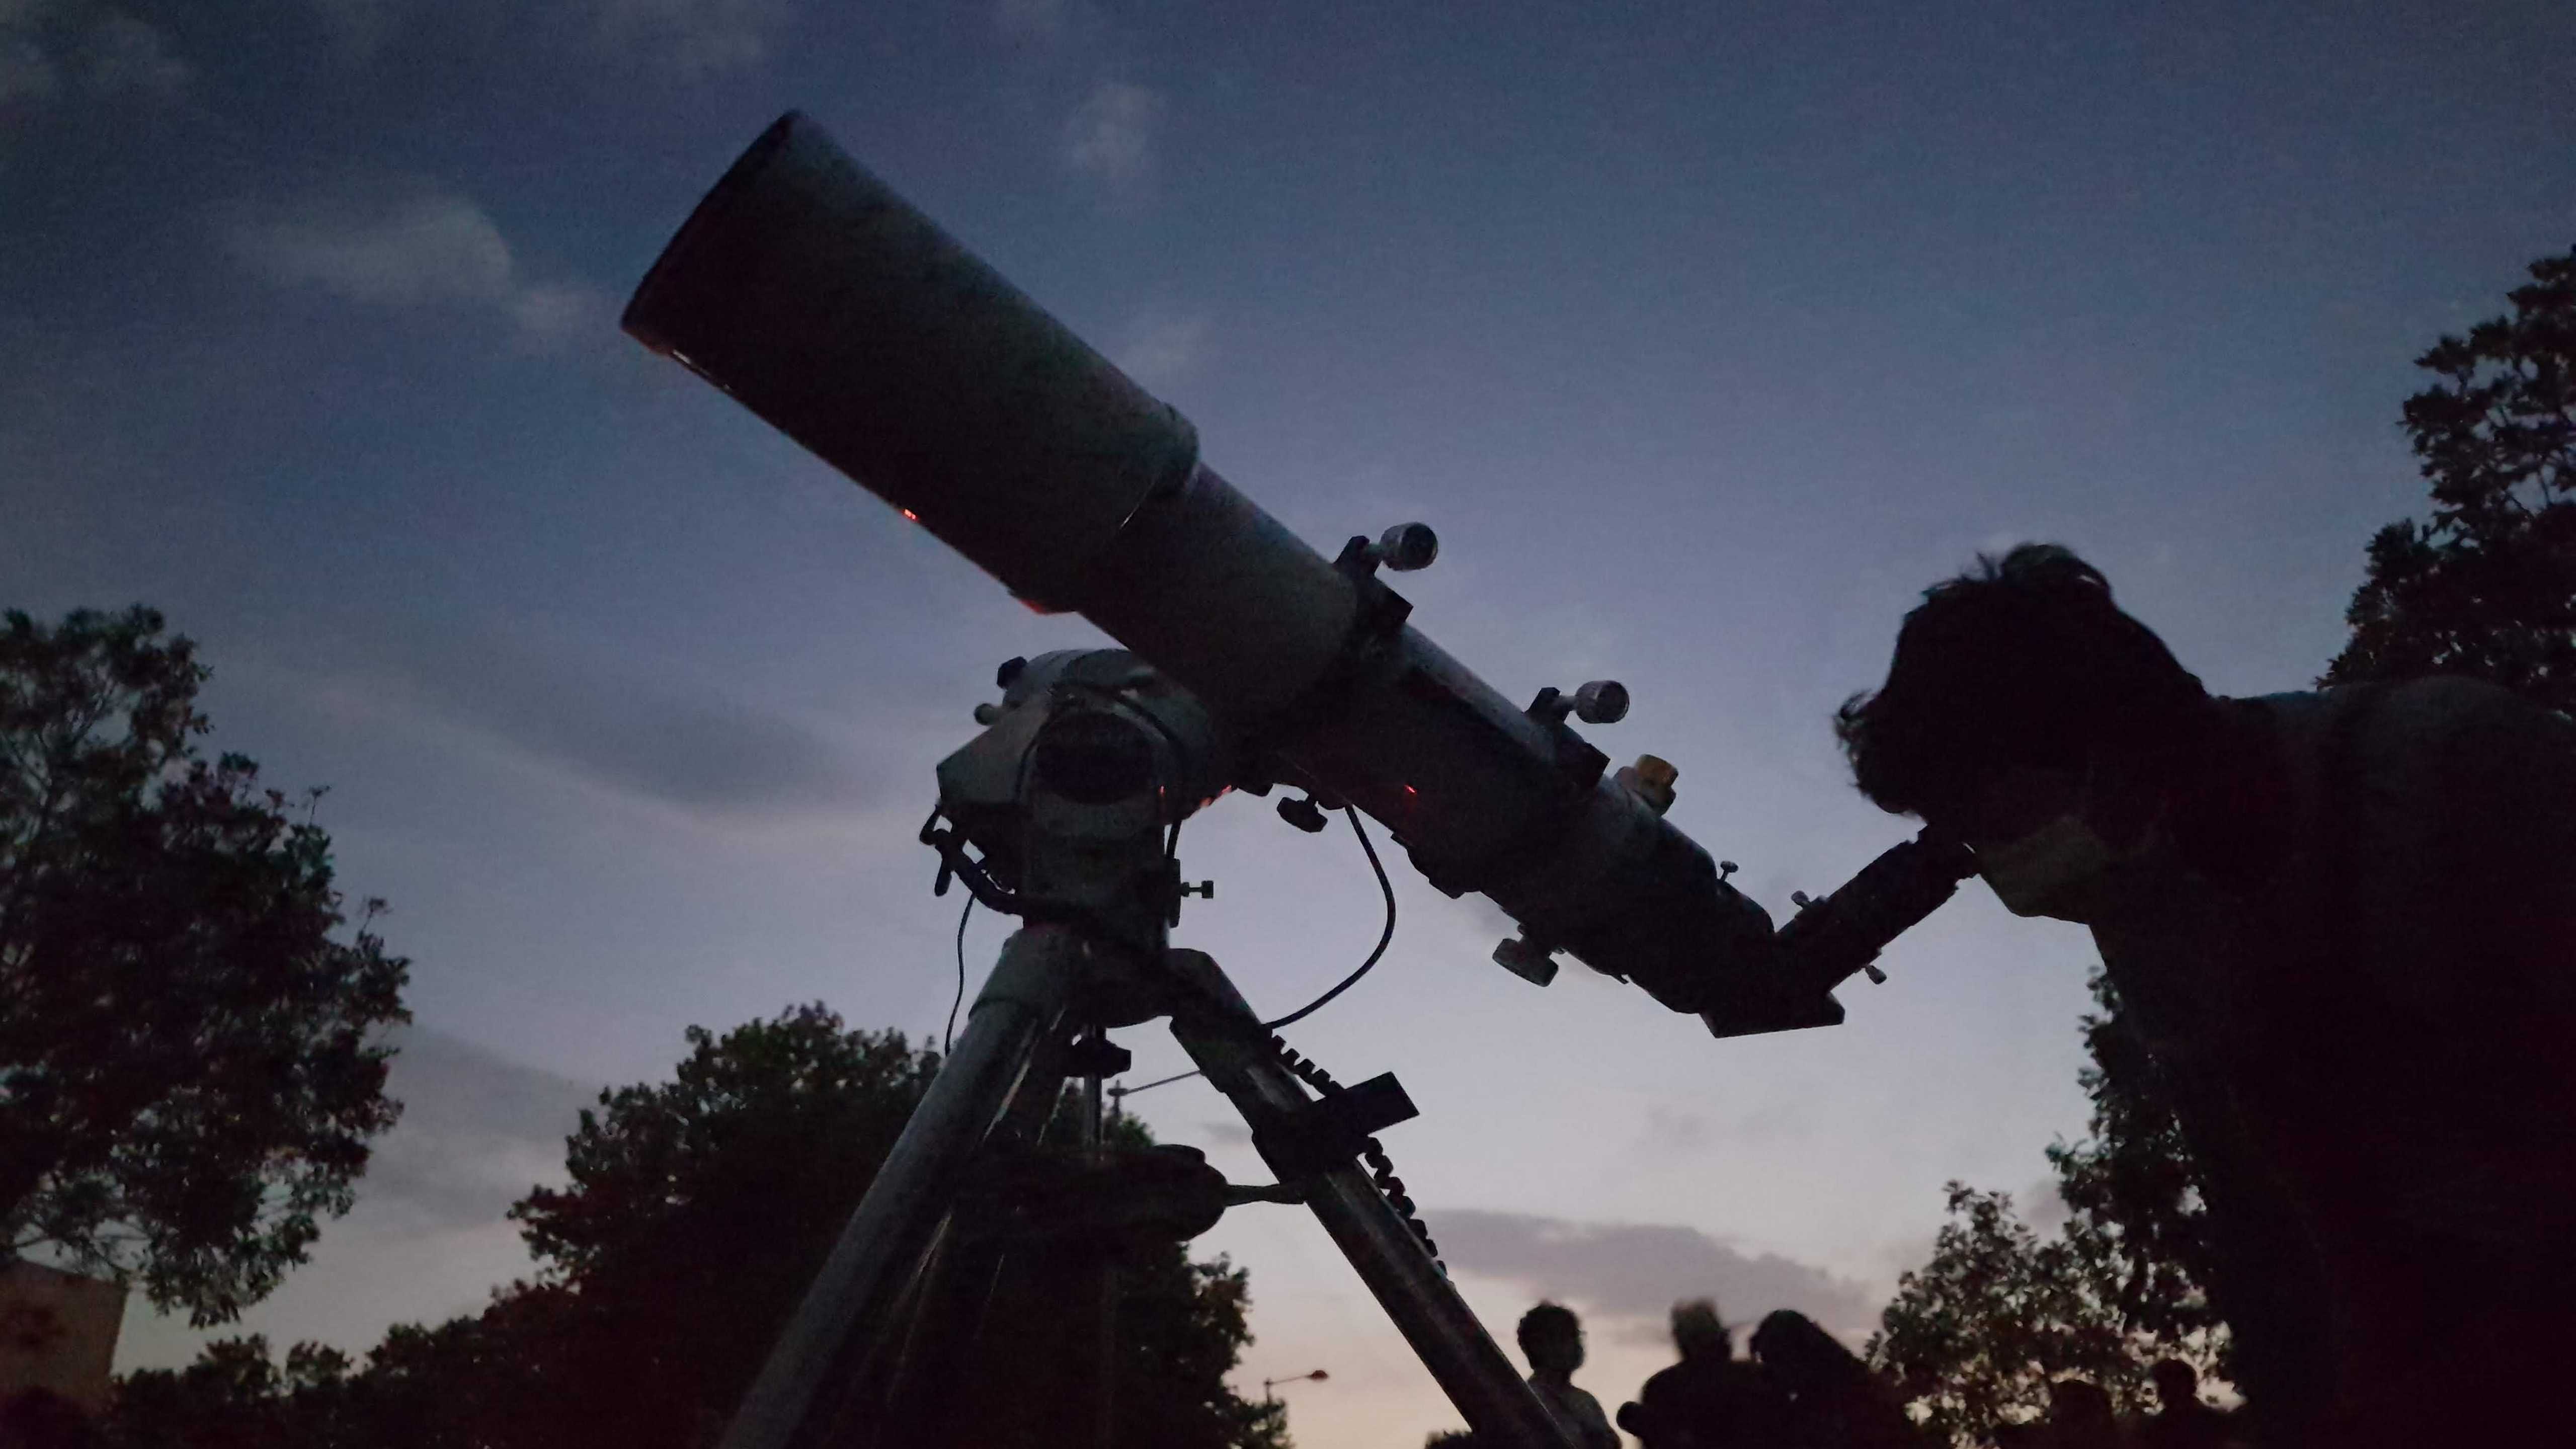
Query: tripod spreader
{"type": "Point", "coordinates": [1333, 1128]}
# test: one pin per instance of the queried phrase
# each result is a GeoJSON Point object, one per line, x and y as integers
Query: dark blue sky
{"type": "Point", "coordinates": [1707, 336]}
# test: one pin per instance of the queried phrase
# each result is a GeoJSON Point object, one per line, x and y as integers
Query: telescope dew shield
{"type": "Point", "coordinates": [811, 293]}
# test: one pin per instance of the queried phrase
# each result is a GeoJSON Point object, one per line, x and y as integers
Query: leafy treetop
{"type": "Point", "coordinates": [190, 1064]}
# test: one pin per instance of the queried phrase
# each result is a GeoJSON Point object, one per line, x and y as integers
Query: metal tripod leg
{"type": "Point", "coordinates": [1021, 1009]}
{"type": "Point", "coordinates": [1225, 1037]}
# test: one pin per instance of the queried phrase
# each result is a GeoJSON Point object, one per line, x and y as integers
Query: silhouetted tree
{"type": "Point", "coordinates": [235, 1397]}
{"type": "Point", "coordinates": [188, 1067]}
{"type": "Point", "coordinates": [697, 1210]}
{"type": "Point", "coordinates": [2487, 587]}
{"type": "Point", "coordinates": [1974, 1336]}
{"type": "Point", "coordinates": [2135, 1194]}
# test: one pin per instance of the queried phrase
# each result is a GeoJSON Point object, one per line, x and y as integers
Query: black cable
{"type": "Point", "coordinates": [1125, 1092]}
{"type": "Point", "coordinates": [1347, 982]}
{"type": "Point", "coordinates": [948, 1038]}
{"type": "Point", "coordinates": [1310, 1008]}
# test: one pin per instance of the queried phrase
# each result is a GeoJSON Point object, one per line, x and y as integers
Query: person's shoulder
{"type": "Point", "coordinates": [2422, 696]}
{"type": "Point", "coordinates": [2456, 700]}
{"type": "Point", "coordinates": [2396, 729]}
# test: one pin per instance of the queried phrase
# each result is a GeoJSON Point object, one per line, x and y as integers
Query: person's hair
{"type": "Point", "coordinates": [1798, 1349]}
{"type": "Point", "coordinates": [1548, 1320]}
{"type": "Point", "coordinates": [1696, 1321]}
{"type": "Point", "coordinates": [2085, 1401]}
{"type": "Point", "coordinates": [2023, 660]}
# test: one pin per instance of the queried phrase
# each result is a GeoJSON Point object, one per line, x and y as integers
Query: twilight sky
{"type": "Point", "coordinates": [1706, 335]}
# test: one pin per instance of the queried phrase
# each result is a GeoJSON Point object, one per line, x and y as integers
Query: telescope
{"type": "Point", "coordinates": [815, 296]}
{"type": "Point", "coordinates": [808, 291]}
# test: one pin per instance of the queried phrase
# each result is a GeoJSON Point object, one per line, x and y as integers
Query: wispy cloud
{"type": "Point", "coordinates": [124, 56]}
{"type": "Point", "coordinates": [1159, 349]}
{"type": "Point", "coordinates": [359, 28]}
{"type": "Point", "coordinates": [429, 1236]}
{"type": "Point", "coordinates": [698, 750]}
{"type": "Point", "coordinates": [1030, 22]}
{"type": "Point", "coordinates": [1633, 1273]}
{"type": "Point", "coordinates": [433, 249]}
{"type": "Point", "coordinates": [696, 37]}
{"type": "Point", "coordinates": [1111, 135]}
{"type": "Point", "coordinates": [429, 249]}
{"type": "Point", "coordinates": [61, 48]}
{"type": "Point", "coordinates": [477, 1132]}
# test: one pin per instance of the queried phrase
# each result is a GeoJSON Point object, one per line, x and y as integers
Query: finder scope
{"type": "Point", "coordinates": [812, 294]}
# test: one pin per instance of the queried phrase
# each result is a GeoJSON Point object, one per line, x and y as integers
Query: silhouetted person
{"type": "Point", "coordinates": [1552, 1340]}
{"type": "Point", "coordinates": [43, 1419]}
{"type": "Point", "coordinates": [2344, 926]}
{"type": "Point", "coordinates": [2181, 1420]}
{"type": "Point", "coordinates": [2079, 1417]}
{"type": "Point", "coordinates": [1711, 1399]}
{"type": "Point", "coordinates": [1834, 1401]}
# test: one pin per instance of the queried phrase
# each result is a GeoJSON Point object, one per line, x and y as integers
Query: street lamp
{"type": "Point", "coordinates": [1267, 1384]}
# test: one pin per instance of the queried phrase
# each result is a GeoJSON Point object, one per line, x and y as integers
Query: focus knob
{"type": "Point", "coordinates": [1603, 701]}
{"type": "Point", "coordinates": [1406, 547]}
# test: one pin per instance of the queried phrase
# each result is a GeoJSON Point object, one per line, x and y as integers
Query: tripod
{"type": "Point", "coordinates": [1069, 795]}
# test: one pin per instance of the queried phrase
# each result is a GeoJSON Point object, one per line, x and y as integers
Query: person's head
{"type": "Point", "coordinates": [1804, 1356]}
{"type": "Point", "coordinates": [2024, 712]}
{"type": "Point", "coordinates": [2080, 1403]}
{"type": "Point", "coordinates": [2177, 1384]}
{"type": "Point", "coordinates": [1698, 1332]}
{"type": "Point", "coordinates": [42, 1419]}
{"type": "Point", "coordinates": [1552, 1339]}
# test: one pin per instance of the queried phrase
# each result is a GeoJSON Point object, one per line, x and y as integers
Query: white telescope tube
{"type": "Point", "coordinates": [818, 298]}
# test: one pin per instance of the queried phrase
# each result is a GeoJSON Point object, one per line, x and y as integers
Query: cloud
{"type": "Point", "coordinates": [432, 249]}
{"type": "Point", "coordinates": [477, 1132]}
{"type": "Point", "coordinates": [26, 72]}
{"type": "Point", "coordinates": [701, 751]}
{"type": "Point", "coordinates": [697, 37]}
{"type": "Point", "coordinates": [429, 1236]}
{"type": "Point", "coordinates": [1669, 1131]}
{"type": "Point", "coordinates": [1160, 350]}
{"type": "Point", "coordinates": [428, 249]}
{"type": "Point", "coordinates": [123, 55]}
{"type": "Point", "coordinates": [2043, 1207]}
{"type": "Point", "coordinates": [1634, 1273]}
{"type": "Point", "coordinates": [1030, 21]}
{"type": "Point", "coordinates": [51, 49]}
{"type": "Point", "coordinates": [359, 28]}
{"type": "Point", "coordinates": [1111, 135]}
{"type": "Point", "coordinates": [693, 37]}
{"type": "Point", "coordinates": [550, 313]}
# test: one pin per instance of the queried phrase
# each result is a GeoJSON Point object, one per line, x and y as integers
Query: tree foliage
{"type": "Point", "coordinates": [1974, 1337]}
{"type": "Point", "coordinates": [2487, 586]}
{"type": "Point", "coordinates": [696, 1210]}
{"type": "Point", "coordinates": [2135, 1194]}
{"type": "Point", "coordinates": [189, 1067]}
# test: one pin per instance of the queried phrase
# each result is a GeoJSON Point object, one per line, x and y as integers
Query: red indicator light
{"type": "Point", "coordinates": [910, 517]}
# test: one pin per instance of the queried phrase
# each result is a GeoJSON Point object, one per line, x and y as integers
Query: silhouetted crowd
{"type": "Point", "coordinates": [1800, 1388]}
